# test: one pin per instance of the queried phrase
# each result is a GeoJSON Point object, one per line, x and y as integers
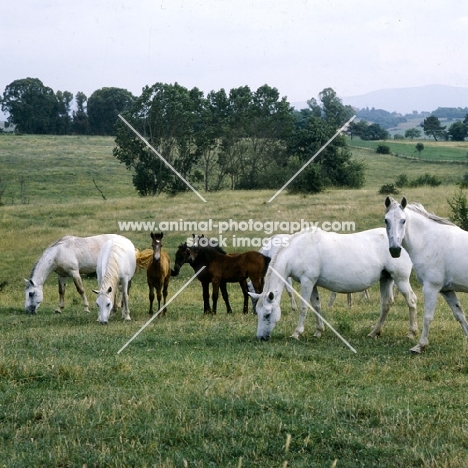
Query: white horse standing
{"type": "Point", "coordinates": [69, 256]}
{"type": "Point", "coordinates": [343, 263]}
{"type": "Point", "coordinates": [116, 266]}
{"type": "Point", "coordinates": [439, 252]}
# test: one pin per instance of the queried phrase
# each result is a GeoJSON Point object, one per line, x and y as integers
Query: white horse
{"type": "Point", "coordinates": [269, 249]}
{"type": "Point", "coordinates": [439, 252]}
{"type": "Point", "coordinates": [343, 263]}
{"type": "Point", "coordinates": [69, 256]}
{"type": "Point", "coordinates": [115, 267]}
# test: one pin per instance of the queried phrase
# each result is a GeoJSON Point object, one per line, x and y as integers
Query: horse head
{"type": "Point", "coordinates": [156, 244]}
{"type": "Point", "coordinates": [268, 313]}
{"type": "Point", "coordinates": [34, 296]}
{"type": "Point", "coordinates": [105, 303]}
{"type": "Point", "coordinates": [181, 257]}
{"type": "Point", "coordinates": [395, 224]}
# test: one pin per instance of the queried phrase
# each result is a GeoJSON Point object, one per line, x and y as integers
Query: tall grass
{"type": "Point", "coordinates": [201, 391]}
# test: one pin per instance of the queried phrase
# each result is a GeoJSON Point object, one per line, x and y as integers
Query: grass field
{"type": "Point", "coordinates": [433, 151]}
{"type": "Point", "coordinates": [201, 391]}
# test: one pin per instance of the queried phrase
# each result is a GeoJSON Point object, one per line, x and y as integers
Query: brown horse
{"type": "Point", "coordinates": [182, 257]}
{"type": "Point", "coordinates": [158, 273]}
{"type": "Point", "coordinates": [221, 269]}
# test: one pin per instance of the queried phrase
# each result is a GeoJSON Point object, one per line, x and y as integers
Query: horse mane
{"type": "Point", "coordinates": [112, 269]}
{"type": "Point", "coordinates": [45, 253]}
{"type": "Point", "coordinates": [418, 208]}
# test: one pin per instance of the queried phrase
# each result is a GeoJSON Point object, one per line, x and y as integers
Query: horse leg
{"type": "Point", "coordinates": [350, 300]}
{"type": "Point", "coordinates": [206, 297]}
{"type": "Point", "coordinates": [332, 299]}
{"type": "Point", "coordinates": [386, 301]}
{"type": "Point", "coordinates": [151, 297]}
{"type": "Point", "coordinates": [224, 293]}
{"type": "Point", "coordinates": [453, 302]}
{"type": "Point", "coordinates": [125, 291]}
{"type": "Point", "coordinates": [306, 292]}
{"type": "Point", "coordinates": [243, 285]}
{"type": "Point", "coordinates": [81, 291]}
{"type": "Point", "coordinates": [405, 288]}
{"type": "Point", "coordinates": [215, 282]}
{"type": "Point", "coordinates": [165, 287]}
{"type": "Point", "coordinates": [289, 289]}
{"type": "Point", "coordinates": [62, 285]}
{"type": "Point", "coordinates": [159, 294]}
{"type": "Point", "coordinates": [430, 301]}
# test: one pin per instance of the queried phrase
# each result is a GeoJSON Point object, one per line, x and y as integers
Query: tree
{"type": "Point", "coordinates": [167, 116]}
{"type": "Point", "coordinates": [432, 127]}
{"type": "Point", "coordinates": [412, 133]}
{"type": "Point", "coordinates": [334, 112]}
{"type": "Point", "coordinates": [80, 123]}
{"type": "Point", "coordinates": [104, 107]}
{"type": "Point", "coordinates": [64, 120]}
{"type": "Point", "coordinates": [458, 131]}
{"type": "Point", "coordinates": [419, 148]}
{"type": "Point", "coordinates": [31, 106]}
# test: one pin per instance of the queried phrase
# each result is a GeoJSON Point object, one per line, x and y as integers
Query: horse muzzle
{"type": "Point", "coordinates": [395, 252]}
{"type": "Point", "coordinates": [175, 271]}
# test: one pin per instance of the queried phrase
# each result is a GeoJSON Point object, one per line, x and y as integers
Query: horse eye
{"type": "Point", "coordinates": [386, 221]}
{"type": "Point", "coordinates": [403, 221]}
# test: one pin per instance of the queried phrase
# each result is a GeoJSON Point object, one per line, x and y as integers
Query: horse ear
{"type": "Point", "coordinates": [161, 235]}
{"type": "Point", "coordinates": [152, 235]}
{"type": "Point", "coordinates": [254, 295]}
{"type": "Point", "coordinates": [388, 202]}
{"type": "Point", "coordinates": [404, 202]}
{"type": "Point", "coordinates": [95, 291]}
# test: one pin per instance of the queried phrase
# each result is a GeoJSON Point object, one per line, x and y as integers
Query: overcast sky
{"type": "Point", "coordinates": [297, 46]}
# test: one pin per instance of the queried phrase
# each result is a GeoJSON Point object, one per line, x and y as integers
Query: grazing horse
{"type": "Point", "coordinates": [182, 257]}
{"type": "Point", "coordinates": [116, 266]}
{"type": "Point", "coordinates": [343, 263]}
{"type": "Point", "coordinates": [69, 256]}
{"type": "Point", "coordinates": [221, 268]}
{"type": "Point", "coordinates": [269, 248]}
{"type": "Point", "coordinates": [439, 252]}
{"type": "Point", "coordinates": [158, 273]}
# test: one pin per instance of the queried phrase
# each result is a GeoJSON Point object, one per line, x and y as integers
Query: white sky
{"type": "Point", "coordinates": [297, 46]}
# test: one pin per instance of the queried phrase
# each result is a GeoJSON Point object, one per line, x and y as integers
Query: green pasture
{"type": "Point", "coordinates": [434, 151]}
{"type": "Point", "coordinates": [200, 391]}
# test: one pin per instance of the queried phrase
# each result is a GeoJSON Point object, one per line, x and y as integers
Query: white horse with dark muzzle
{"type": "Point", "coordinates": [115, 267]}
{"type": "Point", "coordinates": [439, 252]}
{"type": "Point", "coordinates": [344, 263]}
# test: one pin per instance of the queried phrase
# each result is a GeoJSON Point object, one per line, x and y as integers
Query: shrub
{"type": "Point", "coordinates": [459, 206]}
{"type": "Point", "coordinates": [388, 189]}
{"type": "Point", "coordinates": [426, 179]}
{"type": "Point", "coordinates": [464, 182]}
{"type": "Point", "coordinates": [402, 181]}
{"type": "Point", "coordinates": [382, 149]}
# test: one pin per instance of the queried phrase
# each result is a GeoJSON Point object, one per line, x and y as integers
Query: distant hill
{"type": "Point", "coordinates": [406, 100]}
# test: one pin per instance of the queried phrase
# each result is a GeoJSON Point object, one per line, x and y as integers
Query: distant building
{"type": "Point", "coordinates": [6, 127]}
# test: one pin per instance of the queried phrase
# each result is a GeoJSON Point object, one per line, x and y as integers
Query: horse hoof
{"type": "Point", "coordinates": [58, 311]}
{"type": "Point", "coordinates": [417, 349]}
{"type": "Point", "coordinates": [373, 334]}
{"type": "Point", "coordinates": [295, 336]}
{"type": "Point", "coordinates": [318, 334]}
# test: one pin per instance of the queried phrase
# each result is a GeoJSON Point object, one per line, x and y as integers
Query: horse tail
{"type": "Point", "coordinates": [144, 258]}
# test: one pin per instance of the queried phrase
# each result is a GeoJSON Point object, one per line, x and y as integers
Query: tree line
{"type": "Point", "coordinates": [241, 139]}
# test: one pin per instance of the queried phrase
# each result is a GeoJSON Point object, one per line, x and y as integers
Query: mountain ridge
{"type": "Point", "coordinates": [425, 98]}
